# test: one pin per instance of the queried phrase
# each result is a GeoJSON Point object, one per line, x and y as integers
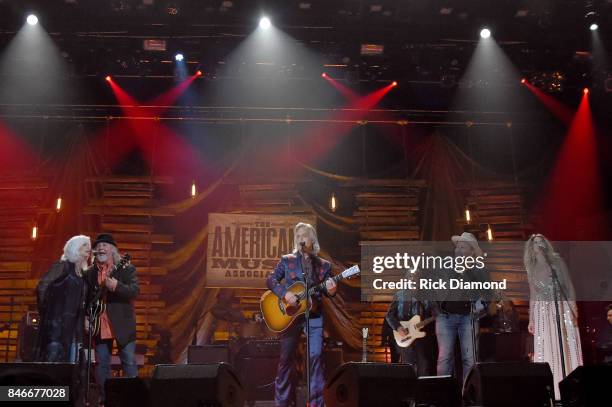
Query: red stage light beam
{"type": "Point", "coordinates": [574, 187]}
{"type": "Point", "coordinates": [561, 111]}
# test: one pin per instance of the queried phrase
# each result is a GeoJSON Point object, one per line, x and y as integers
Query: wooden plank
{"type": "Point", "coordinates": [497, 199]}
{"type": "Point", "coordinates": [150, 289]}
{"type": "Point", "coordinates": [151, 271]}
{"type": "Point", "coordinates": [387, 201]}
{"type": "Point", "coordinates": [122, 238]}
{"type": "Point", "coordinates": [364, 228]}
{"type": "Point", "coordinates": [383, 182]}
{"type": "Point", "coordinates": [386, 220]}
{"type": "Point", "coordinates": [127, 227]}
{"type": "Point", "coordinates": [266, 187]}
{"type": "Point", "coordinates": [24, 185]}
{"type": "Point", "coordinates": [273, 210]}
{"type": "Point", "coordinates": [389, 235]}
{"type": "Point", "coordinates": [128, 211]}
{"type": "Point", "coordinates": [399, 208]}
{"type": "Point", "coordinates": [146, 255]}
{"type": "Point", "coordinates": [15, 266]}
{"type": "Point", "coordinates": [132, 179]}
{"type": "Point", "coordinates": [127, 193]}
{"type": "Point", "coordinates": [123, 202]}
{"type": "Point", "coordinates": [127, 246]}
{"type": "Point", "coordinates": [388, 212]}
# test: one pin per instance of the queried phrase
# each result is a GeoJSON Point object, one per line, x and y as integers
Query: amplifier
{"type": "Point", "coordinates": [208, 354]}
{"type": "Point", "coordinates": [260, 348]}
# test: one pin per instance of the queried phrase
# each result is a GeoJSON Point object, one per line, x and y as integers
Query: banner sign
{"type": "Point", "coordinates": [244, 249]}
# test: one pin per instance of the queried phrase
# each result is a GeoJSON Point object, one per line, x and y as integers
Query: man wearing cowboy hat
{"type": "Point", "coordinates": [118, 322]}
{"type": "Point", "coordinates": [456, 312]}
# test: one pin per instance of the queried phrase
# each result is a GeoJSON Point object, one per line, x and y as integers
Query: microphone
{"type": "Point", "coordinates": [302, 244]}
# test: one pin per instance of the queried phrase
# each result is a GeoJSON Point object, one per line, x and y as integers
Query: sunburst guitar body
{"type": "Point", "coordinates": [279, 315]}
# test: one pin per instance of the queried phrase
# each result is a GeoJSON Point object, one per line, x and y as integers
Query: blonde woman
{"type": "Point", "coordinates": [540, 261]}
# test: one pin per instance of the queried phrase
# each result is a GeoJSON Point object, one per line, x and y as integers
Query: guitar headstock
{"type": "Point", "coordinates": [125, 260]}
{"type": "Point", "coordinates": [351, 271]}
{"type": "Point", "coordinates": [364, 333]}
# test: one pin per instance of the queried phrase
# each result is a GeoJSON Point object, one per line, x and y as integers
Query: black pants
{"type": "Point", "coordinates": [421, 354]}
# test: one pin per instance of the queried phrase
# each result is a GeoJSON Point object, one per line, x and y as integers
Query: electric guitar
{"type": "Point", "coordinates": [414, 326]}
{"type": "Point", "coordinates": [98, 303]}
{"type": "Point", "coordinates": [278, 314]}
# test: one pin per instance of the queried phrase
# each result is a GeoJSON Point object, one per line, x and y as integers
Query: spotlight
{"type": "Point", "coordinates": [32, 19]}
{"type": "Point", "coordinates": [107, 78]}
{"type": "Point", "coordinates": [523, 81]}
{"type": "Point", "coordinates": [394, 83]}
{"type": "Point", "coordinates": [594, 27]}
{"type": "Point", "coordinates": [264, 23]}
{"type": "Point", "coordinates": [585, 91]}
{"type": "Point", "coordinates": [179, 57]}
{"type": "Point", "coordinates": [485, 33]}
{"type": "Point", "coordinates": [199, 73]}
{"type": "Point", "coordinates": [323, 75]}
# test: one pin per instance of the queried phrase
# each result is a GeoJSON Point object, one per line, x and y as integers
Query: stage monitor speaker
{"type": "Point", "coordinates": [370, 384]}
{"type": "Point", "coordinates": [509, 384]}
{"type": "Point", "coordinates": [127, 392]}
{"type": "Point", "coordinates": [586, 386]}
{"type": "Point", "coordinates": [28, 336]}
{"type": "Point", "coordinates": [208, 354]}
{"type": "Point", "coordinates": [195, 385]}
{"type": "Point", "coordinates": [41, 374]}
{"type": "Point", "coordinates": [438, 391]}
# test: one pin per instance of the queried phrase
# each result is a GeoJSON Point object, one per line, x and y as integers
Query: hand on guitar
{"type": "Point", "coordinates": [402, 331]}
{"type": "Point", "coordinates": [291, 298]}
{"type": "Point", "coordinates": [331, 286]}
{"type": "Point", "coordinates": [111, 283]}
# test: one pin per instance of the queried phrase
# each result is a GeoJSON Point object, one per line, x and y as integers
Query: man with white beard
{"type": "Point", "coordinates": [117, 322]}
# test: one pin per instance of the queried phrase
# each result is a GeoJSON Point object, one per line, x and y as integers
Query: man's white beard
{"type": "Point", "coordinates": [102, 258]}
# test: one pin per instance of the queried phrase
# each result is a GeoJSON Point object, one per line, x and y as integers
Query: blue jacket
{"type": "Point", "coordinates": [289, 269]}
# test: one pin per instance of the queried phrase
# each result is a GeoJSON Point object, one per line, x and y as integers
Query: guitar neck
{"type": "Point", "coordinates": [424, 322]}
{"type": "Point", "coordinates": [322, 284]}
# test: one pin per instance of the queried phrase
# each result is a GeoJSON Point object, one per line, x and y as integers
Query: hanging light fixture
{"type": "Point", "coordinates": [58, 205]}
{"type": "Point", "coordinates": [194, 190]}
{"type": "Point", "coordinates": [489, 233]}
{"type": "Point", "coordinates": [333, 203]}
{"type": "Point", "coordinates": [34, 232]}
{"type": "Point", "coordinates": [468, 215]}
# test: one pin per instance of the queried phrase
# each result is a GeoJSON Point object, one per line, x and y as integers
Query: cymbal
{"type": "Point", "coordinates": [227, 314]}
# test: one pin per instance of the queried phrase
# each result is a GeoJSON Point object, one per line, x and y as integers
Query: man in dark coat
{"type": "Point", "coordinates": [118, 322]}
{"type": "Point", "coordinates": [61, 295]}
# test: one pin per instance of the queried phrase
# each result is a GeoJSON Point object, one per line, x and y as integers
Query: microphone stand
{"type": "Point", "coordinates": [307, 317]}
{"type": "Point", "coordinates": [557, 286]}
{"type": "Point", "coordinates": [88, 381]}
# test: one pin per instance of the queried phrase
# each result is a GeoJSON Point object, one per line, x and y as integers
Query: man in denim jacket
{"type": "Point", "coordinates": [303, 263]}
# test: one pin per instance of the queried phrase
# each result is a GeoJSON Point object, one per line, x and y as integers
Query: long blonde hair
{"type": "Point", "coordinates": [554, 260]}
{"type": "Point", "coordinates": [315, 244]}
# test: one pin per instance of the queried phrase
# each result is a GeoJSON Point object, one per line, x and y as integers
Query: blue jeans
{"type": "Point", "coordinates": [55, 353]}
{"type": "Point", "coordinates": [104, 350]}
{"type": "Point", "coordinates": [448, 328]}
{"type": "Point", "coordinates": [284, 386]}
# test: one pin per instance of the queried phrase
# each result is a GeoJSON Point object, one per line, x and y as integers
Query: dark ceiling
{"type": "Point", "coordinates": [423, 40]}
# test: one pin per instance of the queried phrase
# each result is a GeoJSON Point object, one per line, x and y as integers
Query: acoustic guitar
{"type": "Point", "coordinates": [279, 315]}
